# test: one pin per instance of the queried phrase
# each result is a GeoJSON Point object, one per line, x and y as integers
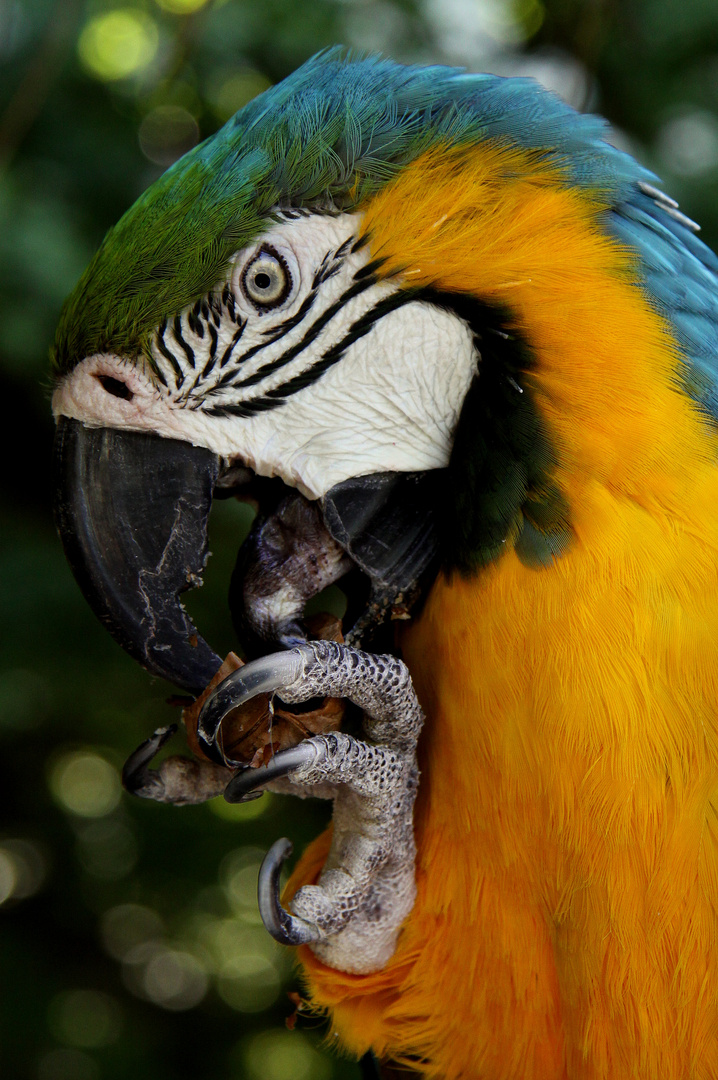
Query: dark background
{"type": "Point", "coordinates": [130, 944]}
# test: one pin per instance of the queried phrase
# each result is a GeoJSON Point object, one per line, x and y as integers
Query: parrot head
{"type": "Point", "coordinates": [245, 329]}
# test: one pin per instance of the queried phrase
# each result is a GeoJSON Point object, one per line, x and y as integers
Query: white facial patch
{"type": "Point", "coordinates": [336, 376]}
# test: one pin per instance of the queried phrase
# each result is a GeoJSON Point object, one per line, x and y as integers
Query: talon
{"type": "Point", "coordinates": [247, 781]}
{"type": "Point", "coordinates": [249, 796]}
{"type": "Point", "coordinates": [284, 927]}
{"type": "Point", "coordinates": [136, 777]}
{"type": "Point", "coordinates": [262, 676]}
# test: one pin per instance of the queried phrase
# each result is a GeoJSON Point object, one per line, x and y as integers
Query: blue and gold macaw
{"type": "Point", "coordinates": [476, 350]}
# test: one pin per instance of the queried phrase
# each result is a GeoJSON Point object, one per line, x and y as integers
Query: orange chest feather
{"type": "Point", "coordinates": [571, 790]}
{"type": "Point", "coordinates": [566, 923]}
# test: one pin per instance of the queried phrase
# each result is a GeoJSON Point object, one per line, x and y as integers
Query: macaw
{"type": "Point", "coordinates": [465, 350]}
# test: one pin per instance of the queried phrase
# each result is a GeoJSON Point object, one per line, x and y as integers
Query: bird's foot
{"type": "Point", "coordinates": [178, 780]}
{"type": "Point", "coordinates": [351, 917]}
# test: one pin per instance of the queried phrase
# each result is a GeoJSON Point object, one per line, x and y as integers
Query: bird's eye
{"type": "Point", "coordinates": [266, 280]}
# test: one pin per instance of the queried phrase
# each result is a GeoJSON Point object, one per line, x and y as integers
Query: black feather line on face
{"type": "Point", "coordinates": [168, 355]}
{"type": "Point", "coordinates": [227, 354]}
{"type": "Point", "coordinates": [195, 316]}
{"type": "Point", "coordinates": [245, 409]}
{"type": "Point", "coordinates": [238, 361]}
{"type": "Point", "coordinates": [157, 372]}
{"type": "Point", "coordinates": [330, 265]}
{"type": "Point", "coordinates": [332, 270]}
{"type": "Point", "coordinates": [185, 346]}
{"type": "Point", "coordinates": [343, 249]}
{"type": "Point", "coordinates": [212, 358]}
{"type": "Point", "coordinates": [319, 273]}
{"type": "Point", "coordinates": [195, 324]}
{"type": "Point", "coordinates": [358, 329]}
{"type": "Point", "coordinates": [206, 314]}
{"type": "Point", "coordinates": [359, 243]}
{"type": "Point", "coordinates": [275, 332]}
{"type": "Point", "coordinates": [309, 337]}
{"type": "Point", "coordinates": [369, 269]}
{"type": "Point", "coordinates": [216, 309]}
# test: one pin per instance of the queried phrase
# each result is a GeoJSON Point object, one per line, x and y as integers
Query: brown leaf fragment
{"type": "Point", "coordinates": [190, 715]}
{"type": "Point", "coordinates": [325, 627]}
{"type": "Point", "coordinates": [254, 732]}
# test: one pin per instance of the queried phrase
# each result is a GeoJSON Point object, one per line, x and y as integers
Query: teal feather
{"type": "Point", "coordinates": [679, 274]}
{"type": "Point", "coordinates": [330, 135]}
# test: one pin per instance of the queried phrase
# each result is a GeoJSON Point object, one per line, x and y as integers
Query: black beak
{"type": "Point", "coordinates": [132, 512]}
{"type": "Point", "coordinates": [387, 523]}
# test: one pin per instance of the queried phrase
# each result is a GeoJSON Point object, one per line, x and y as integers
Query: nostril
{"type": "Point", "coordinates": [115, 387]}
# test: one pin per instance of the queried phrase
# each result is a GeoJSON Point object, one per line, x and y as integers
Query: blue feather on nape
{"type": "Point", "coordinates": [397, 112]}
{"type": "Point", "coordinates": [680, 275]}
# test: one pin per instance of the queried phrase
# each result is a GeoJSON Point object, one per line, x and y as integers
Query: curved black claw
{"type": "Point", "coordinates": [284, 927]}
{"type": "Point", "coordinates": [246, 782]}
{"type": "Point", "coordinates": [136, 777]}
{"type": "Point", "coordinates": [262, 676]}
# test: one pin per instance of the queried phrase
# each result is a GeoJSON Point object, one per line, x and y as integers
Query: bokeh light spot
{"type": "Point", "coordinates": [474, 31]}
{"type": "Point", "coordinates": [688, 143]}
{"type": "Point", "coordinates": [530, 14]}
{"type": "Point", "coordinates": [23, 869]}
{"type": "Point", "coordinates": [85, 784]}
{"type": "Point", "coordinates": [238, 874]}
{"type": "Point", "coordinates": [281, 1055]}
{"type": "Point", "coordinates": [126, 926]}
{"type": "Point", "coordinates": [249, 983]}
{"type": "Point", "coordinates": [166, 133]}
{"type": "Point", "coordinates": [175, 980]}
{"type": "Point", "coordinates": [8, 876]}
{"type": "Point", "coordinates": [85, 1018]}
{"type": "Point", "coordinates": [232, 92]}
{"type": "Point", "coordinates": [117, 44]}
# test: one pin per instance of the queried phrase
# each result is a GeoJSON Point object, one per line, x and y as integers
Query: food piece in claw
{"type": "Point", "coordinates": [249, 736]}
{"type": "Point", "coordinates": [351, 918]}
{"type": "Point", "coordinates": [253, 733]}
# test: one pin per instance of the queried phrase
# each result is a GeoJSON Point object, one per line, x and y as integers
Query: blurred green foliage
{"type": "Point", "coordinates": [129, 935]}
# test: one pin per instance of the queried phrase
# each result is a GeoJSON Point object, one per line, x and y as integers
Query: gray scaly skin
{"type": "Point", "coordinates": [352, 916]}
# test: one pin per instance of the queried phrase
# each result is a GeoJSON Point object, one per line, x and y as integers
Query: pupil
{"type": "Point", "coordinates": [262, 280]}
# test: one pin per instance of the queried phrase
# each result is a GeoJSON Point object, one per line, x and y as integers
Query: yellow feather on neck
{"type": "Point", "coordinates": [566, 923]}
